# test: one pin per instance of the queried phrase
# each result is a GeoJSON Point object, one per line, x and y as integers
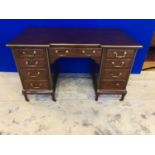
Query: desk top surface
{"type": "Point", "coordinates": [49, 36]}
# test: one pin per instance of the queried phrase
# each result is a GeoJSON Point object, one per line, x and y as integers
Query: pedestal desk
{"type": "Point", "coordinates": [36, 49]}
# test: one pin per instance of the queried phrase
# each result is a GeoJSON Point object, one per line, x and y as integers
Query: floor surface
{"type": "Point", "coordinates": [75, 111]}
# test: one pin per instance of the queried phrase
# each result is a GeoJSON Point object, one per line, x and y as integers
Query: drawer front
{"type": "Point", "coordinates": [31, 63]}
{"type": "Point", "coordinates": [36, 74]}
{"type": "Point", "coordinates": [29, 53]}
{"type": "Point", "coordinates": [36, 85]}
{"type": "Point", "coordinates": [113, 85]}
{"type": "Point", "coordinates": [120, 53]}
{"type": "Point", "coordinates": [82, 52]}
{"type": "Point", "coordinates": [115, 73]}
{"type": "Point", "coordinates": [115, 63]}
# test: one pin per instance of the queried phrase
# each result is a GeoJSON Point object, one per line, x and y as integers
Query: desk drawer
{"type": "Point", "coordinates": [120, 53]}
{"type": "Point", "coordinates": [115, 63]}
{"type": "Point", "coordinates": [39, 85]}
{"type": "Point", "coordinates": [115, 73]}
{"type": "Point", "coordinates": [113, 85]}
{"type": "Point", "coordinates": [71, 52]}
{"type": "Point", "coordinates": [29, 53]}
{"type": "Point", "coordinates": [31, 63]}
{"type": "Point", "coordinates": [35, 74]}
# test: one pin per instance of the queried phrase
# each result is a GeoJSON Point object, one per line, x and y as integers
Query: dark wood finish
{"type": "Point", "coordinates": [100, 36]}
{"type": "Point", "coordinates": [34, 74]}
{"type": "Point", "coordinates": [120, 53]}
{"type": "Point", "coordinates": [31, 63]}
{"type": "Point", "coordinates": [112, 85]}
{"type": "Point", "coordinates": [93, 53]}
{"type": "Point", "coordinates": [115, 73]}
{"type": "Point", "coordinates": [117, 63]}
{"type": "Point", "coordinates": [29, 52]}
{"type": "Point", "coordinates": [36, 48]}
{"type": "Point", "coordinates": [76, 52]}
{"type": "Point", "coordinates": [33, 67]}
{"type": "Point", "coordinates": [36, 84]}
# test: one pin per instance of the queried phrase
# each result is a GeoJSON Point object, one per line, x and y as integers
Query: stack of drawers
{"type": "Point", "coordinates": [115, 69]}
{"type": "Point", "coordinates": [33, 68]}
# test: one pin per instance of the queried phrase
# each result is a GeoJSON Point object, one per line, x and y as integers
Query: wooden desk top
{"type": "Point", "coordinates": [105, 37]}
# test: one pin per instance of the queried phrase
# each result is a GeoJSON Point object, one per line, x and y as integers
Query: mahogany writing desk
{"type": "Point", "coordinates": [37, 48]}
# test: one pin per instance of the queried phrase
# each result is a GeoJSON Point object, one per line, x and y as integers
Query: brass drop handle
{"type": "Point", "coordinates": [120, 56]}
{"type": "Point", "coordinates": [116, 76]}
{"type": "Point", "coordinates": [38, 73]}
{"type": "Point", "coordinates": [94, 51]}
{"type": "Point", "coordinates": [56, 51]}
{"type": "Point", "coordinates": [24, 52]}
{"type": "Point", "coordinates": [117, 84]}
{"type": "Point", "coordinates": [122, 63]}
{"type": "Point", "coordinates": [67, 51]}
{"type": "Point", "coordinates": [40, 84]}
{"type": "Point", "coordinates": [36, 62]}
{"type": "Point", "coordinates": [83, 51]}
{"type": "Point", "coordinates": [34, 52]}
{"type": "Point", "coordinates": [27, 63]}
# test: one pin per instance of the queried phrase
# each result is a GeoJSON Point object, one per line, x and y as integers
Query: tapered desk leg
{"type": "Point", "coordinates": [25, 95]}
{"type": "Point", "coordinates": [53, 96]}
{"type": "Point", "coordinates": [96, 97]}
{"type": "Point", "coordinates": [122, 97]}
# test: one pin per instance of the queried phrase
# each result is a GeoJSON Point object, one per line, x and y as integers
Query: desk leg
{"type": "Point", "coordinates": [93, 74]}
{"type": "Point", "coordinates": [53, 96]}
{"type": "Point", "coordinates": [25, 95]}
{"type": "Point", "coordinates": [122, 97]}
{"type": "Point", "coordinates": [96, 97]}
{"type": "Point", "coordinates": [55, 77]}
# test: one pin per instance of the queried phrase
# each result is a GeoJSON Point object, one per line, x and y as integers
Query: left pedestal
{"type": "Point", "coordinates": [34, 70]}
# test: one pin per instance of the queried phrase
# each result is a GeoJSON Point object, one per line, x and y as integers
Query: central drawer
{"type": "Point", "coordinates": [76, 52]}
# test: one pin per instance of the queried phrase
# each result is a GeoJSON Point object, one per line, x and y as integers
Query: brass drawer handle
{"type": "Point", "coordinates": [30, 55]}
{"type": "Point", "coordinates": [67, 51]}
{"type": "Point", "coordinates": [36, 63]}
{"type": "Point", "coordinates": [83, 51]}
{"type": "Point", "coordinates": [121, 56]}
{"type": "Point", "coordinates": [122, 63]}
{"type": "Point", "coordinates": [40, 84]}
{"type": "Point", "coordinates": [34, 52]}
{"type": "Point", "coordinates": [116, 76]}
{"type": "Point", "coordinates": [56, 51]}
{"type": "Point", "coordinates": [117, 84]}
{"type": "Point", "coordinates": [94, 51]}
{"type": "Point", "coordinates": [34, 76]}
